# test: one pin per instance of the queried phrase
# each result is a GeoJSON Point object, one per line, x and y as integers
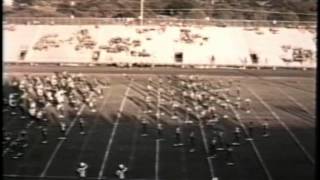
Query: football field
{"type": "Point", "coordinates": [113, 133]}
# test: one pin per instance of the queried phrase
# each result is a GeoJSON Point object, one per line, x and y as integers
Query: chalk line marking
{"type": "Point", "coordinates": [53, 155]}
{"type": "Point", "coordinates": [284, 125]}
{"type": "Point", "coordinates": [157, 159]}
{"type": "Point", "coordinates": [298, 104]}
{"type": "Point", "coordinates": [204, 139]}
{"type": "Point", "coordinates": [83, 146]}
{"type": "Point", "coordinates": [115, 126]}
{"type": "Point", "coordinates": [266, 170]}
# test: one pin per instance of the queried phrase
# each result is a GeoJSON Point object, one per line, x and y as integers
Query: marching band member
{"type": "Point", "coordinates": [247, 105]}
{"type": "Point", "coordinates": [265, 126]}
{"type": "Point", "coordinates": [178, 138]}
{"type": "Point", "coordinates": [144, 124]}
{"type": "Point", "coordinates": [213, 148]}
{"type": "Point", "coordinates": [120, 173]}
{"type": "Point", "coordinates": [192, 142]}
{"type": "Point", "coordinates": [63, 129]}
{"type": "Point", "coordinates": [82, 170]}
{"type": "Point", "coordinates": [60, 110]}
{"type": "Point", "coordinates": [250, 129]}
{"type": "Point", "coordinates": [229, 155]}
{"type": "Point", "coordinates": [236, 141]}
{"type": "Point", "coordinates": [160, 129]}
{"type": "Point", "coordinates": [44, 134]}
{"type": "Point", "coordinates": [81, 125]}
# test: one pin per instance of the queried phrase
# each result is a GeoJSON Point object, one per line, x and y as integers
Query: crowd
{"type": "Point", "coordinates": [46, 42]}
{"type": "Point", "coordinates": [186, 36]}
{"type": "Point", "coordinates": [296, 54]}
{"type": "Point", "coordinates": [82, 39]}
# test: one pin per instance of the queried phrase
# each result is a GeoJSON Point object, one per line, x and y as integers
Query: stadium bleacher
{"type": "Point", "coordinates": [158, 45]}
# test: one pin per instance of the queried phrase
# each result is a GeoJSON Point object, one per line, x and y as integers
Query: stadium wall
{"type": "Point", "coordinates": [154, 21]}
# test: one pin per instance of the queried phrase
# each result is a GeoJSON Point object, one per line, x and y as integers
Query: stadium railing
{"type": "Point", "coordinates": [154, 21]}
{"type": "Point", "coordinates": [124, 64]}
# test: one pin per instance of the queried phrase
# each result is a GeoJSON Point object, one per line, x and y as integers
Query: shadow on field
{"type": "Point", "coordinates": [295, 111]}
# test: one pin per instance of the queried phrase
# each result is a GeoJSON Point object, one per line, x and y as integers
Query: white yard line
{"type": "Point", "coordinates": [157, 140]}
{"type": "Point", "coordinates": [158, 106]}
{"type": "Point", "coordinates": [298, 104]}
{"type": "Point", "coordinates": [43, 174]}
{"type": "Point", "coordinates": [306, 122]}
{"type": "Point", "coordinates": [204, 139]}
{"type": "Point", "coordinates": [134, 142]}
{"type": "Point", "coordinates": [184, 163]}
{"type": "Point", "coordinates": [53, 155]}
{"type": "Point", "coordinates": [115, 126]}
{"type": "Point", "coordinates": [284, 125]}
{"type": "Point", "coordinates": [95, 123]}
{"type": "Point", "coordinates": [157, 159]}
{"type": "Point", "coordinates": [182, 150]}
{"type": "Point", "coordinates": [133, 147]}
{"type": "Point", "coordinates": [266, 170]}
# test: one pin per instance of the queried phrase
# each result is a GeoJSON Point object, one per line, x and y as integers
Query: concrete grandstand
{"type": "Point", "coordinates": [161, 45]}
